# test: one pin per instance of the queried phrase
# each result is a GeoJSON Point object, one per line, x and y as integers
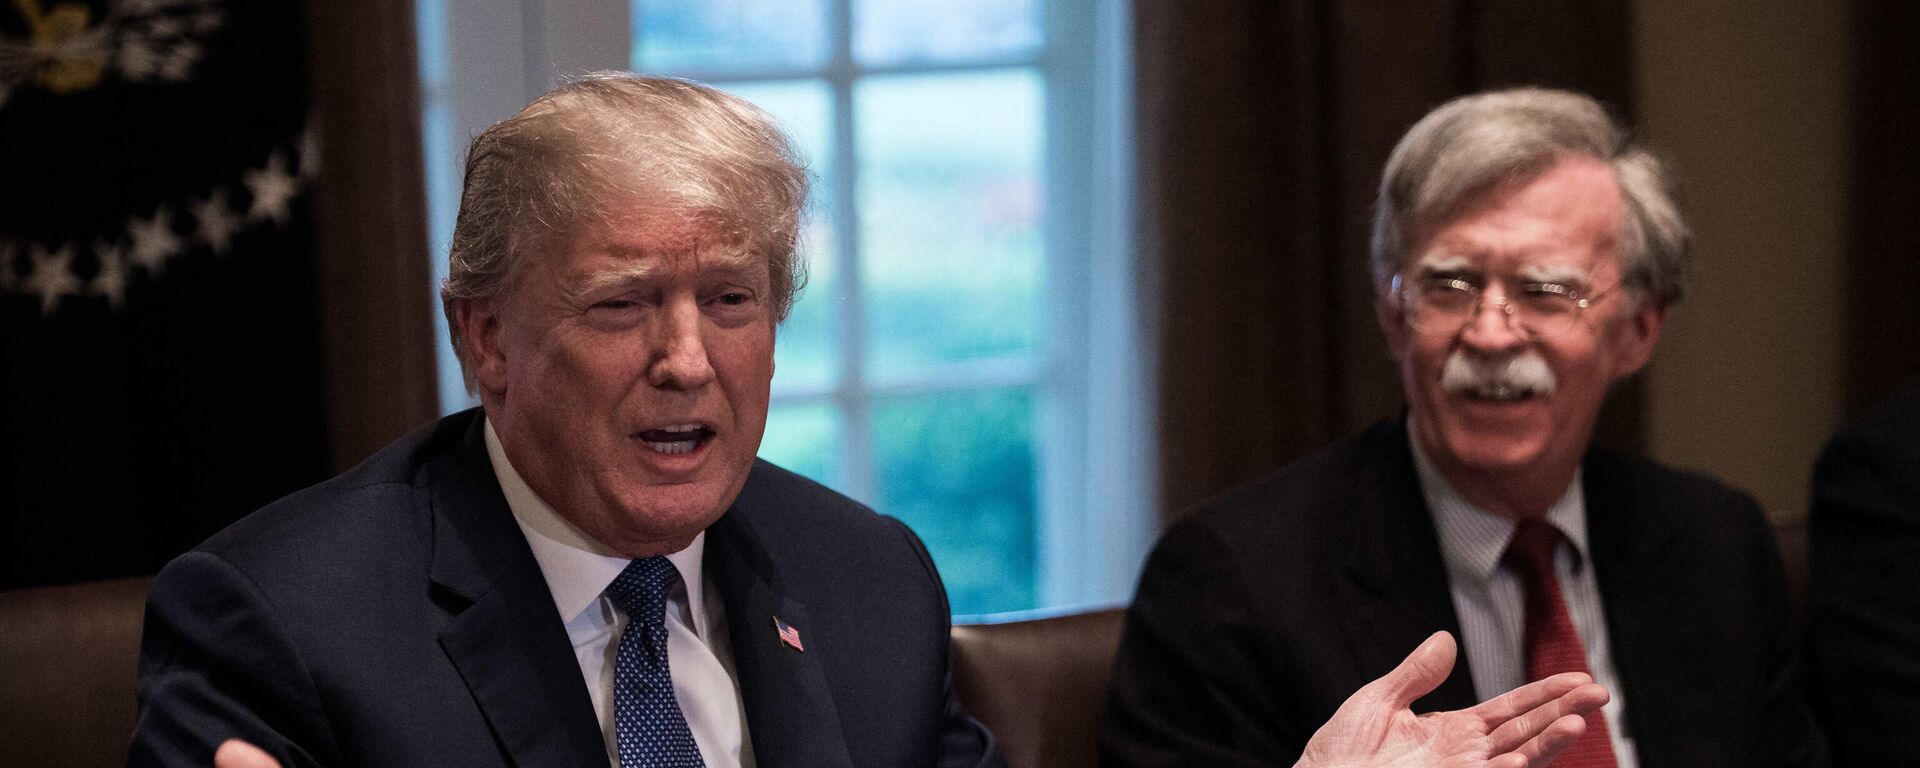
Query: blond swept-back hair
{"type": "Point", "coordinates": [609, 146]}
{"type": "Point", "coordinates": [1474, 143]}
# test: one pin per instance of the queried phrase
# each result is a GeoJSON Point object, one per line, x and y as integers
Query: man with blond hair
{"type": "Point", "coordinates": [592, 567]}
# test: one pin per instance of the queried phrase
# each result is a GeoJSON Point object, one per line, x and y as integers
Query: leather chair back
{"type": "Point", "coordinates": [67, 661]}
{"type": "Point", "coordinates": [1040, 685]}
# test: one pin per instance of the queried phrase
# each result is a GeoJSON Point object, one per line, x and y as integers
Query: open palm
{"type": "Point", "coordinates": [1523, 728]}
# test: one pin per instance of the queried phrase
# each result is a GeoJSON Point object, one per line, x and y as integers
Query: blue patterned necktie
{"type": "Point", "coordinates": [652, 731]}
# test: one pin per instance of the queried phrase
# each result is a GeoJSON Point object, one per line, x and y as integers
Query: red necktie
{"type": "Point", "coordinates": [1553, 646]}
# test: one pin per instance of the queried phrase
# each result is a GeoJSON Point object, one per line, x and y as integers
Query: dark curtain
{"type": "Point", "coordinates": [376, 298]}
{"type": "Point", "coordinates": [1262, 128]}
{"type": "Point", "coordinates": [1882, 286]}
{"type": "Point", "coordinates": [194, 318]}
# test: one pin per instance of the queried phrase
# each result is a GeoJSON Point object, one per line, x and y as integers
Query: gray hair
{"type": "Point", "coordinates": [607, 146]}
{"type": "Point", "coordinates": [1486, 140]}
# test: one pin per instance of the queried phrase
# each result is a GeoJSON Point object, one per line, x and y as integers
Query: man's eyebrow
{"type": "Point", "coordinates": [1553, 273]}
{"type": "Point", "coordinates": [729, 260]}
{"type": "Point", "coordinates": [726, 261]}
{"type": "Point", "coordinates": [587, 284]}
{"type": "Point", "coordinates": [1442, 265]}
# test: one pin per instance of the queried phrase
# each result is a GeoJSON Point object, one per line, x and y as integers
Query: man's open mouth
{"type": "Point", "coordinates": [675, 439]}
{"type": "Point", "coordinates": [1500, 392]}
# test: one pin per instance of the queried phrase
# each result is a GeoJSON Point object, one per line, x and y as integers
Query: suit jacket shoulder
{"type": "Point", "coordinates": [303, 542]}
{"type": "Point", "coordinates": [1864, 617]}
{"type": "Point", "coordinates": [391, 616]}
{"type": "Point", "coordinates": [1639, 511]}
{"type": "Point", "coordinates": [1695, 600]}
{"type": "Point", "coordinates": [1265, 607]}
{"type": "Point", "coordinates": [817, 537]}
{"type": "Point", "coordinates": [872, 618]}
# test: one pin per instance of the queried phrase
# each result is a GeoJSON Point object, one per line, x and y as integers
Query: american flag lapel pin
{"type": "Point", "coordinates": [788, 634]}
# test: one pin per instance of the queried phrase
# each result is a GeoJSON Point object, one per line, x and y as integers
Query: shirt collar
{"type": "Point", "coordinates": [1472, 540]}
{"type": "Point", "coordinates": [577, 567]}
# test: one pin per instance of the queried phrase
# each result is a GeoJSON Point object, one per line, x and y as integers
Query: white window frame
{"type": "Point", "coordinates": [1095, 510]}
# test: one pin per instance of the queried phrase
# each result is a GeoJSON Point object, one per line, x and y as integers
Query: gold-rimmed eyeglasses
{"type": "Point", "coordinates": [1537, 310]}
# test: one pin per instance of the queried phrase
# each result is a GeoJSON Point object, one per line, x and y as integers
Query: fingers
{"type": "Point", "coordinates": [1516, 733]}
{"type": "Point", "coordinates": [1541, 750]}
{"type": "Point", "coordinates": [1529, 697]}
{"type": "Point", "coordinates": [234, 753]}
{"type": "Point", "coordinates": [1421, 672]}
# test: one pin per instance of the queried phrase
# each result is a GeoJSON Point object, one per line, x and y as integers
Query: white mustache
{"type": "Point", "coordinates": [1525, 372]}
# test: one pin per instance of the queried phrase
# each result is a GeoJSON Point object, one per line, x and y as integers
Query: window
{"type": "Point", "coordinates": [966, 354]}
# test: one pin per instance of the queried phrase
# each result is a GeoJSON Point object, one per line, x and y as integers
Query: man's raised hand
{"type": "Point", "coordinates": [1522, 728]}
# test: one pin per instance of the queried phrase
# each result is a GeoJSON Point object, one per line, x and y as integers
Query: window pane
{"type": "Point", "coordinates": [709, 36]}
{"type": "Point", "coordinates": [804, 355]}
{"type": "Point", "coordinates": [950, 202]}
{"type": "Point", "coordinates": [958, 468]}
{"type": "Point", "coordinates": [804, 109]}
{"type": "Point", "coordinates": [899, 31]}
{"type": "Point", "coordinates": [802, 437]}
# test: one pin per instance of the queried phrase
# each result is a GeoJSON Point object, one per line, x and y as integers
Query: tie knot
{"type": "Point", "coordinates": [1531, 549]}
{"type": "Point", "coordinates": [641, 588]}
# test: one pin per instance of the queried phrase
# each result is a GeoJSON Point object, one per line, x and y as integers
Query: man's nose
{"type": "Point", "coordinates": [1493, 327]}
{"type": "Point", "coordinates": [679, 348]}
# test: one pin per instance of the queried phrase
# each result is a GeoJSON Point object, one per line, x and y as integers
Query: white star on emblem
{"type": "Point", "coordinates": [207, 21]}
{"type": "Point", "coordinates": [179, 64]}
{"type": "Point", "coordinates": [165, 27]}
{"type": "Point", "coordinates": [217, 221]}
{"type": "Point", "coordinates": [52, 277]}
{"type": "Point", "coordinates": [272, 189]}
{"type": "Point", "coordinates": [111, 282]}
{"type": "Point", "coordinates": [154, 241]}
{"type": "Point", "coordinates": [137, 60]}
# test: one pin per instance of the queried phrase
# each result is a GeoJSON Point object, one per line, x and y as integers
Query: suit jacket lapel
{"type": "Point", "coordinates": [790, 712]}
{"type": "Point", "coordinates": [1399, 590]}
{"type": "Point", "coordinates": [1652, 644]}
{"type": "Point", "coordinates": [503, 633]}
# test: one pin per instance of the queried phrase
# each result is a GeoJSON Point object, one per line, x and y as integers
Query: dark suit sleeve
{"type": "Point", "coordinates": [1865, 614]}
{"type": "Point", "coordinates": [964, 742]}
{"type": "Point", "coordinates": [215, 664]}
{"type": "Point", "coordinates": [1188, 687]}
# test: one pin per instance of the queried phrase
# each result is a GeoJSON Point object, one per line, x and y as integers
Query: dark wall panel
{"type": "Point", "coordinates": [1883, 265]}
{"type": "Point", "coordinates": [375, 285]}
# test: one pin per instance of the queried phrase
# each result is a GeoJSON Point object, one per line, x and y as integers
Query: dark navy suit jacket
{"type": "Point", "coordinates": [1268, 606]}
{"type": "Point", "coordinates": [394, 616]}
{"type": "Point", "coordinates": [1865, 617]}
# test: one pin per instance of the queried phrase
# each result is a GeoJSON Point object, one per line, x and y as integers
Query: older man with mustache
{"type": "Point", "coordinates": [1525, 253]}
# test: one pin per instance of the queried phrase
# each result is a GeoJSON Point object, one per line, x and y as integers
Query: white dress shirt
{"type": "Point", "coordinates": [1490, 599]}
{"type": "Point", "coordinates": [578, 570]}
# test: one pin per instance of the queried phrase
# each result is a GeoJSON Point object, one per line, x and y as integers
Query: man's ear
{"type": "Point", "coordinates": [1639, 336]}
{"type": "Point", "coordinates": [479, 323]}
{"type": "Point", "coordinates": [1393, 320]}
